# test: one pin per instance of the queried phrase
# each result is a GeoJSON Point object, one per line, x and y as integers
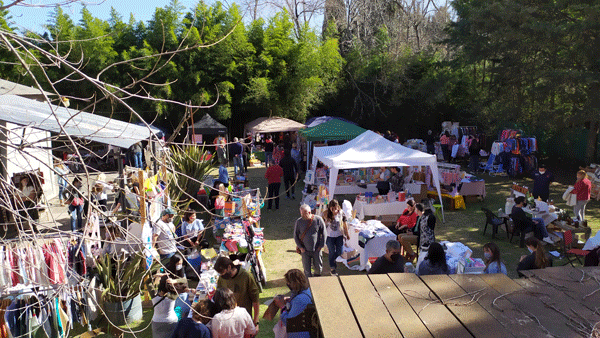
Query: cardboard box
{"type": "Point", "coordinates": [472, 199]}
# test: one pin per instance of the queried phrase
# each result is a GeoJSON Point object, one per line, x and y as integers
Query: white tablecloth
{"type": "Point", "coordinates": [376, 209]}
{"type": "Point", "coordinates": [374, 247]}
{"type": "Point", "coordinates": [548, 217]}
{"type": "Point", "coordinates": [354, 189]}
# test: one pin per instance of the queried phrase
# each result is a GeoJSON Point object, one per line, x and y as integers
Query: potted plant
{"type": "Point", "coordinates": [123, 278]}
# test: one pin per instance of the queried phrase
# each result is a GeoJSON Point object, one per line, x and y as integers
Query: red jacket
{"type": "Point", "coordinates": [582, 189]}
{"type": "Point", "coordinates": [407, 218]}
{"type": "Point", "coordinates": [274, 173]}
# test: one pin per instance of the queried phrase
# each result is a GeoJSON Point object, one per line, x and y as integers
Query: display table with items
{"type": "Point", "coordinates": [377, 206]}
{"type": "Point", "coordinates": [452, 202]}
{"type": "Point", "coordinates": [369, 240]}
{"type": "Point", "coordinates": [472, 186]}
{"type": "Point", "coordinates": [458, 259]}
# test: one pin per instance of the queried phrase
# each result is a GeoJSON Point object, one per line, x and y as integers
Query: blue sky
{"type": "Point", "coordinates": [34, 18]}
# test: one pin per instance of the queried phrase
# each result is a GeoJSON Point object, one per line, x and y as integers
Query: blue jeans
{"type": "Point", "coordinates": [238, 162]}
{"type": "Point", "coordinates": [268, 158]}
{"type": "Point", "coordinates": [61, 191]}
{"type": "Point", "coordinates": [137, 160]}
{"type": "Point", "coordinates": [540, 228]}
{"type": "Point", "coordinates": [334, 245]}
{"type": "Point", "coordinates": [76, 218]}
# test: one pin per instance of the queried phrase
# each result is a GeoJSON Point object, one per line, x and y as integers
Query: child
{"type": "Point", "coordinates": [220, 201]}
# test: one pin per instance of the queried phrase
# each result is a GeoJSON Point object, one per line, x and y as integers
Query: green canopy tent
{"type": "Point", "coordinates": [332, 130]}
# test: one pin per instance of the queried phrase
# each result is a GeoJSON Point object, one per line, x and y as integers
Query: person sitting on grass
{"type": "Point", "coordinates": [493, 264]}
{"type": "Point", "coordinates": [392, 261]}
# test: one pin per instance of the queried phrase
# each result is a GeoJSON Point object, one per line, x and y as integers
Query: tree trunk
{"type": "Point", "coordinates": [592, 142]}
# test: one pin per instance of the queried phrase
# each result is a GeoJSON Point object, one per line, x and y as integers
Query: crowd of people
{"type": "Point", "coordinates": [233, 311]}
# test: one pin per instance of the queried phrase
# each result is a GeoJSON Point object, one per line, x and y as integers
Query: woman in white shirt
{"type": "Point", "coordinates": [164, 319]}
{"type": "Point", "coordinates": [231, 321]}
{"type": "Point", "coordinates": [25, 200]}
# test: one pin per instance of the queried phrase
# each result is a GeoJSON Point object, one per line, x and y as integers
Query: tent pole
{"type": "Point", "coordinates": [121, 182]}
{"type": "Point", "coordinates": [308, 143]}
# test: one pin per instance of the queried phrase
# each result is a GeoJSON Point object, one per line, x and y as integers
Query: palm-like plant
{"type": "Point", "coordinates": [123, 276]}
{"type": "Point", "coordinates": [189, 167]}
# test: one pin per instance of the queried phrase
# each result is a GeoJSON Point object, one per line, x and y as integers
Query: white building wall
{"type": "Point", "coordinates": [36, 155]}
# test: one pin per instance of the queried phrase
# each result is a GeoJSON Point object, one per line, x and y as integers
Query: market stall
{"type": "Point", "coordinates": [271, 125]}
{"type": "Point", "coordinates": [515, 152]}
{"type": "Point", "coordinates": [371, 150]}
{"type": "Point", "coordinates": [363, 208]}
{"type": "Point", "coordinates": [205, 130]}
{"type": "Point", "coordinates": [369, 240]}
{"type": "Point", "coordinates": [331, 130]}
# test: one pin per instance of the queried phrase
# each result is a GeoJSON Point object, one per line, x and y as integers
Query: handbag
{"type": "Point", "coordinates": [298, 251]}
{"type": "Point", "coordinates": [77, 201]}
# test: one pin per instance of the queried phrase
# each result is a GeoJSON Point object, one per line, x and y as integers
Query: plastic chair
{"type": "Point", "coordinates": [437, 211]}
{"type": "Point", "coordinates": [495, 221]}
{"type": "Point", "coordinates": [520, 229]}
{"type": "Point", "coordinates": [497, 171]}
{"type": "Point", "coordinates": [570, 253]}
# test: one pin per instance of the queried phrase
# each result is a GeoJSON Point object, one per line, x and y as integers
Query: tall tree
{"type": "Point", "coordinates": [536, 62]}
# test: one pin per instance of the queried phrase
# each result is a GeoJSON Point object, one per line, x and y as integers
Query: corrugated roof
{"type": "Point", "coordinates": [44, 116]}
{"type": "Point", "coordinates": [8, 87]}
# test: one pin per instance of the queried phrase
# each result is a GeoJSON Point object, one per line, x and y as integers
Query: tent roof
{"type": "Point", "coordinates": [315, 121]}
{"type": "Point", "coordinates": [272, 125]}
{"type": "Point", "coordinates": [207, 122]}
{"type": "Point", "coordinates": [371, 150]}
{"type": "Point", "coordinates": [332, 130]}
{"type": "Point", "coordinates": [48, 117]}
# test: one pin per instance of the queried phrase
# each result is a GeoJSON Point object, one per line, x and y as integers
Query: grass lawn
{"type": "Point", "coordinates": [464, 226]}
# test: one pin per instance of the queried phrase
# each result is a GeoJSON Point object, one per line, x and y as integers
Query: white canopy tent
{"type": "Point", "coordinates": [372, 150]}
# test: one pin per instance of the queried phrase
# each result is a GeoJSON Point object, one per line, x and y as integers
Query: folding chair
{"type": "Point", "coordinates": [495, 221]}
{"type": "Point", "coordinates": [489, 165]}
{"type": "Point", "coordinates": [568, 249]}
{"type": "Point", "coordinates": [497, 170]}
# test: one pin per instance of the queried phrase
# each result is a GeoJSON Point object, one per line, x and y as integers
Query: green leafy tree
{"type": "Point", "coordinates": [533, 62]}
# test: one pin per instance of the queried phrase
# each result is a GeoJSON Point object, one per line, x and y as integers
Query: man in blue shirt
{"type": "Point", "coordinates": [541, 183]}
{"type": "Point", "coordinates": [236, 151]}
{"type": "Point", "coordinates": [223, 174]}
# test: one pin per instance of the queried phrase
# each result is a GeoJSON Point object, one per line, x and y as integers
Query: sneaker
{"type": "Point", "coordinates": [548, 240]}
{"type": "Point", "coordinates": [333, 272]}
{"type": "Point", "coordinates": [293, 197]}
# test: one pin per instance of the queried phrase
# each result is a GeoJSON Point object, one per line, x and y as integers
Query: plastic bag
{"type": "Point", "coordinates": [280, 330]}
{"type": "Point", "coordinates": [570, 198]}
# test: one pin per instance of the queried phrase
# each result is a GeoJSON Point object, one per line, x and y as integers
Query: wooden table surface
{"type": "Point", "coordinates": [558, 301]}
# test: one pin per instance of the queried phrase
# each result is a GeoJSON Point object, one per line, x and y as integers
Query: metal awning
{"type": "Point", "coordinates": [48, 117]}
